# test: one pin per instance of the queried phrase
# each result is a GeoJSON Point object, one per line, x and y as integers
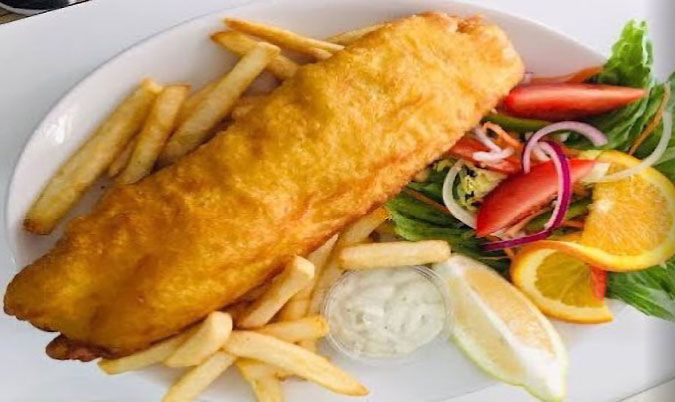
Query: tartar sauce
{"type": "Point", "coordinates": [387, 312]}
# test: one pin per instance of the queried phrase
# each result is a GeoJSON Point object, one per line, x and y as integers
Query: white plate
{"type": "Point", "coordinates": [185, 53]}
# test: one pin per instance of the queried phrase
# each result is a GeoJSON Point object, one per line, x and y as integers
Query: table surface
{"type": "Point", "coordinates": [615, 360]}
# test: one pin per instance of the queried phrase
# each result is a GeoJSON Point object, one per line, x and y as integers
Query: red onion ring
{"type": "Point", "coordinates": [593, 134]}
{"type": "Point", "coordinates": [520, 241]}
{"type": "Point", "coordinates": [562, 167]}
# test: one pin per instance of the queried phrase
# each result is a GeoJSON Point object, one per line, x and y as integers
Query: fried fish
{"type": "Point", "coordinates": [330, 144]}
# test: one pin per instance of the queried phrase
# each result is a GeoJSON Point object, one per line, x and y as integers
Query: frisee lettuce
{"type": "Point", "coordinates": [651, 291]}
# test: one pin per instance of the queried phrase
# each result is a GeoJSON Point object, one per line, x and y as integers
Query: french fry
{"type": "Point", "coordinates": [158, 127]}
{"type": "Point", "coordinates": [194, 100]}
{"type": "Point", "coordinates": [281, 66]}
{"type": "Point", "coordinates": [295, 276]}
{"type": "Point", "coordinates": [154, 354]}
{"type": "Point", "coordinates": [293, 359]}
{"type": "Point", "coordinates": [122, 159]}
{"type": "Point", "coordinates": [317, 48]}
{"type": "Point", "coordinates": [209, 336]}
{"type": "Point", "coordinates": [349, 37]}
{"type": "Point", "coordinates": [329, 275]}
{"type": "Point", "coordinates": [267, 388]}
{"type": "Point", "coordinates": [83, 168]}
{"type": "Point", "coordinates": [244, 105]}
{"type": "Point", "coordinates": [218, 103]}
{"type": "Point", "coordinates": [362, 228]}
{"type": "Point", "coordinates": [355, 233]}
{"type": "Point", "coordinates": [298, 306]}
{"type": "Point", "coordinates": [196, 380]}
{"type": "Point", "coordinates": [257, 369]}
{"type": "Point", "coordinates": [311, 327]}
{"type": "Point", "coordinates": [310, 345]}
{"type": "Point", "coordinates": [393, 254]}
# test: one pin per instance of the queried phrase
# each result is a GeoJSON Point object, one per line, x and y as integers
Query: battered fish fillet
{"type": "Point", "coordinates": [329, 145]}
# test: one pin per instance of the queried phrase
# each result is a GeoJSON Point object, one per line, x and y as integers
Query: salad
{"type": "Point", "coordinates": [566, 189]}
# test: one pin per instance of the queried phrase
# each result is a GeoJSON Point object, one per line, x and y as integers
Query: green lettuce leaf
{"type": "Point", "coordinates": [629, 65]}
{"type": "Point", "coordinates": [666, 164]}
{"type": "Point", "coordinates": [651, 291]}
{"type": "Point", "coordinates": [631, 61]}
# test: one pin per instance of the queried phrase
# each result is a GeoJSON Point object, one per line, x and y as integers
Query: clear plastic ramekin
{"type": "Point", "coordinates": [329, 309]}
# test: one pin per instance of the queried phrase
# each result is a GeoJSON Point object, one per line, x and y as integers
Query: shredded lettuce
{"type": "Point", "coordinates": [474, 184]}
{"type": "Point", "coordinates": [651, 291]}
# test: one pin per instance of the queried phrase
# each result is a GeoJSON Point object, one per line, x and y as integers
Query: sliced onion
{"type": "Point", "coordinates": [536, 151]}
{"type": "Point", "coordinates": [593, 134]}
{"type": "Point", "coordinates": [527, 78]}
{"type": "Point", "coordinates": [520, 241]}
{"type": "Point", "coordinates": [651, 159]}
{"type": "Point", "coordinates": [482, 156]}
{"type": "Point", "coordinates": [455, 209]}
{"type": "Point", "coordinates": [562, 167]}
{"type": "Point", "coordinates": [482, 136]}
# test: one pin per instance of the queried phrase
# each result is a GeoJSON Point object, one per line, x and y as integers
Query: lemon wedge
{"type": "Point", "coordinates": [502, 331]}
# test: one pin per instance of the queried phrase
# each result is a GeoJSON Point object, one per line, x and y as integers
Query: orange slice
{"type": "Point", "coordinates": [559, 284]}
{"type": "Point", "coordinates": [631, 223]}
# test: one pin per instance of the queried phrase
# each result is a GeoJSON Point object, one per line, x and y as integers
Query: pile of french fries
{"type": "Point", "coordinates": [271, 332]}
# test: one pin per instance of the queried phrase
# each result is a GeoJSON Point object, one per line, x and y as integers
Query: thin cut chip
{"type": "Point", "coordinates": [256, 369]}
{"type": "Point", "coordinates": [83, 168]}
{"type": "Point", "coordinates": [194, 100]}
{"type": "Point", "coordinates": [297, 274]}
{"type": "Point", "coordinates": [281, 66]}
{"type": "Point", "coordinates": [294, 359]}
{"type": "Point", "coordinates": [393, 254]}
{"type": "Point", "coordinates": [158, 127]}
{"type": "Point", "coordinates": [355, 233]}
{"type": "Point", "coordinates": [194, 382]}
{"type": "Point", "coordinates": [312, 327]}
{"type": "Point", "coordinates": [310, 345]}
{"type": "Point", "coordinates": [284, 38]}
{"type": "Point", "coordinates": [122, 159]}
{"type": "Point", "coordinates": [208, 337]}
{"type": "Point", "coordinates": [362, 228]}
{"type": "Point", "coordinates": [267, 388]}
{"type": "Point", "coordinates": [154, 354]}
{"type": "Point", "coordinates": [218, 103]}
{"type": "Point", "coordinates": [298, 306]}
{"type": "Point", "coordinates": [348, 37]}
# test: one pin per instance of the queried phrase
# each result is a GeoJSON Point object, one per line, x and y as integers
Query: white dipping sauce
{"type": "Point", "coordinates": [386, 312]}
